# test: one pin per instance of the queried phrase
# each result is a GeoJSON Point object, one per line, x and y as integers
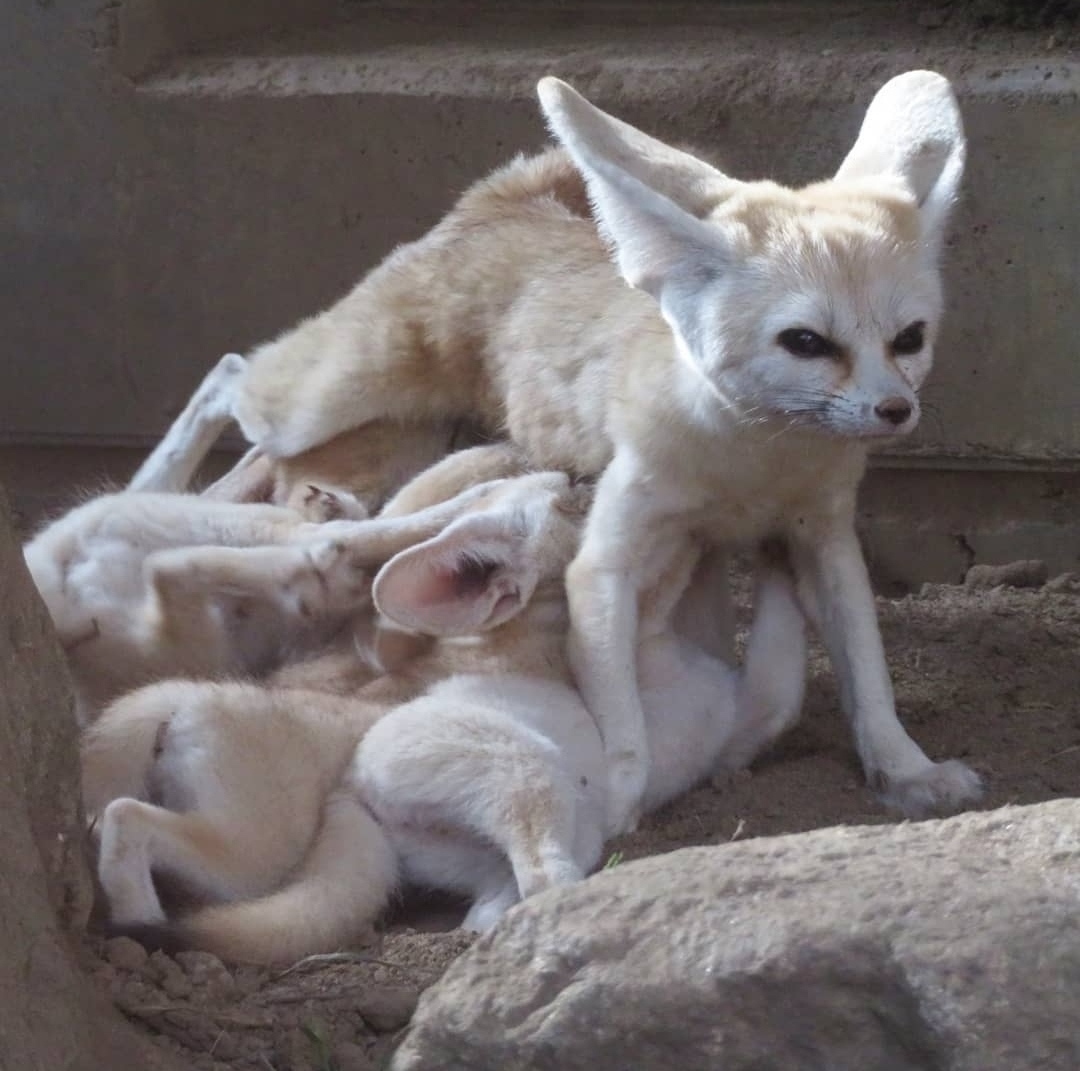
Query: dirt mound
{"type": "Point", "coordinates": [991, 676]}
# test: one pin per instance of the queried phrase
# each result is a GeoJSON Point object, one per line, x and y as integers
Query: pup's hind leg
{"type": "Point", "coordinates": [490, 906]}
{"type": "Point", "coordinates": [175, 460]}
{"type": "Point", "coordinates": [483, 775]}
{"type": "Point", "coordinates": [772, 680]}
{"type": "Point", "coordinates": [138, 838]}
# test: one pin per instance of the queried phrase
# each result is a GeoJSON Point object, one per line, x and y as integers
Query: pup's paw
{"type": "Point", "coordinates": [327, 580]}
{"type": "Point", "coordinates": [320, 504]}
{"type": "Point", "coordinates": [626, 779]}
{"type": "Point", "coordinates": [941, 787]}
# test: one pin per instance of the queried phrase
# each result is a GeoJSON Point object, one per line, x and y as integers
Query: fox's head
{"type": "Point", "coordinates": [815, 307]}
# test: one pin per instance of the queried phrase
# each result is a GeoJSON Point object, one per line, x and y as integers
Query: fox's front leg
{"type": "Point", "coordinates": [835, 589]}
{"type": "Point", "coordinates": [619, 556]}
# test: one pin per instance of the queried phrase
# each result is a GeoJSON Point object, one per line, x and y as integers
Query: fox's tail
{"type": "Point", "coordinates": [344, 883]}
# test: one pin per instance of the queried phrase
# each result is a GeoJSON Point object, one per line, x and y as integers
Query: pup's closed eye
{"type": "Point", "coordinates": [802, 342]}
{"type": "Point", "coordinates": [910, 340]}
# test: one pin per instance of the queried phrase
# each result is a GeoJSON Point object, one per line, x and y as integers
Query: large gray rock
{"type": "Point", "coordinates": [941, 946]}
{"type": "Point", "coordinates": [51, 1018]}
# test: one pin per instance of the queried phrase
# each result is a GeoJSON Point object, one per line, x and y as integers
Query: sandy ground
{"type": "Point", "coordinates": [992, 677]}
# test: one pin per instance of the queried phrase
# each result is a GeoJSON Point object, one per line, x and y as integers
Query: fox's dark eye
{"type": "Point", "coordinates": [910, 340]}
{"type": "Point", "coordinates": [802, 342]}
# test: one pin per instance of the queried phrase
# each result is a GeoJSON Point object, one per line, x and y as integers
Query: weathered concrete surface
{"type": "Point", "coordinates": [51, 1019]}
{"type": "Point", "coordinates": [939, 946]}
{"type": "Point", "coordinates": [261, 161]}
{"type": "Point", "coordinates": [209, 205]}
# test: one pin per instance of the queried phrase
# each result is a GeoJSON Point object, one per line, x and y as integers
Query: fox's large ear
{"type": "Point", "coordinates": [913, 134]}
{"type": "Point", "coordinates": [471, 577]}
{"type": "Point", "coordinates": [645, 193]}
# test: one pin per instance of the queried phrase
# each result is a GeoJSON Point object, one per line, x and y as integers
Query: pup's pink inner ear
{"type": "Point", "coordinates": [445, 588]}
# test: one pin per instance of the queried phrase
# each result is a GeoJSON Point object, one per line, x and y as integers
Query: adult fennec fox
{"type": "Point", "coordinates": [768, 339]}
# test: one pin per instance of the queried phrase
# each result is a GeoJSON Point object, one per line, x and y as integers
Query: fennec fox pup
{"type": "Point", "coordinates": [240, 792]}
{"type": "Point", "coordinates": [151, 583]}
{"type": "Point", "coordinates": [768, 338]}
{"type": "Point", "coordinates": [486, 776]}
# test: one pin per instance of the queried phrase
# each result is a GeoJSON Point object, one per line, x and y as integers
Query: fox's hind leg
{"type": "Point", "coordinates": [175, 460]}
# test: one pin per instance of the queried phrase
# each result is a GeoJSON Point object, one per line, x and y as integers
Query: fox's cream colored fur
{"type": "Point", "coordinates": [768, 339]}
{"type": "Point", "coordinates": [478, 768]}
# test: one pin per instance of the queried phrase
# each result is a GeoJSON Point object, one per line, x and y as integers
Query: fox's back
{"type": "Point", "coordinates": [508, 313]}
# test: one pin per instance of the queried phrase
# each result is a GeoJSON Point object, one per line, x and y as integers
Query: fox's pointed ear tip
{"type": "Point", "coordinates": [552, 91]}
{"type": "Point", "coordinates": [920, 82]}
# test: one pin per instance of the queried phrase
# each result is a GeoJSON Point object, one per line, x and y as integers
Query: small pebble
{"type": "Point", "coordinates": [1065, 582]}
{"type": "Point", "coordinates": [387, 1010]}
{"type": "Point", "coordinates": [125, 953]}
{"type": "Point", "coordinates": [348, 1056]}
{"type": "Point", "coordinates": [177, 984]}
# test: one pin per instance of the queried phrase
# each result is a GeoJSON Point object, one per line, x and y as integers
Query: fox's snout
{"type": "Point", "coordinates": [896, 412]}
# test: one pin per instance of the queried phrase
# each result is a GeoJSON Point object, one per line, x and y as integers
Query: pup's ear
{"type": "Point", "coordinates": [645, 193]}
{"type": "Point", "coordinates": [913, 134]}
{"type": "Point", "coordinates": [471, 577]}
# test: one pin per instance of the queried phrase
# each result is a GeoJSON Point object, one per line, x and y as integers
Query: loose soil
{"type": "Point", "coordinates": [991, 676]}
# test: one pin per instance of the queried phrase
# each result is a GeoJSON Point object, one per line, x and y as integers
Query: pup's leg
{"type": "Point", "coordinates": [370, 544]}
{"type": "Point", "coordinates": [704, 615]}
{"type": "Point", "coordinates": [138, 837]}
{"type": "Point", "coordinates": [251, 479]}
{"type": "Point", "coordinates": [480, 773]}
{"type": "Point", "coordinates": [455, 474]}
{"type": "Point", "coordinates": [305, 581]}
{"type": "Point", "coordinates": [490, 905]}
{"type": "Point", "coordinates": [772, 680]}
{"type": "Point", "coordinates": [175, 460]}
{"type": "Point", "coordinates": [835, 588]}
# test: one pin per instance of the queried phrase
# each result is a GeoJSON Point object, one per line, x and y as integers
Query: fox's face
{"type": "Point", "coordinates": [825, 315]}
{"type": "Point", "coordinates": [814, 308]}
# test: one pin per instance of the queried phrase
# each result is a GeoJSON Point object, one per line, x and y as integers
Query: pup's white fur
{"type": "Point", "coordinates": [150, 582]}
{"type": "Point", "coordinates": [489, 781]}
{"type": "Point", "coordinates": [769, 338]}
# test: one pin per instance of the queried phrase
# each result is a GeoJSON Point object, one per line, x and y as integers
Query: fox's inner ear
{"type": "Point", "coordinates": [913, 134]}
{"type": "Point", "coordinates": [468, 579]}
{"type": "Point", "coordinates": [644, 192]}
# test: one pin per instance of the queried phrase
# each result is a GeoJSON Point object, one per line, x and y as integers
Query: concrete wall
{"type": "Point", "coordinates": [185, 178]}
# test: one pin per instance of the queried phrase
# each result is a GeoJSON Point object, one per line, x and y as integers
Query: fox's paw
{"type": "Point", "coordinates": [627, 774]}
{"type": "Point", "coordinates": [217, 392]}
{"type": "Point", "coordinates": [328, 579]}
{"type": "Point", "coordinates": [941, 787]}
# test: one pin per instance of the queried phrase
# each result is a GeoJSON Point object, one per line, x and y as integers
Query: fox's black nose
{"type": "Point", "coordinates": [894, 410]}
